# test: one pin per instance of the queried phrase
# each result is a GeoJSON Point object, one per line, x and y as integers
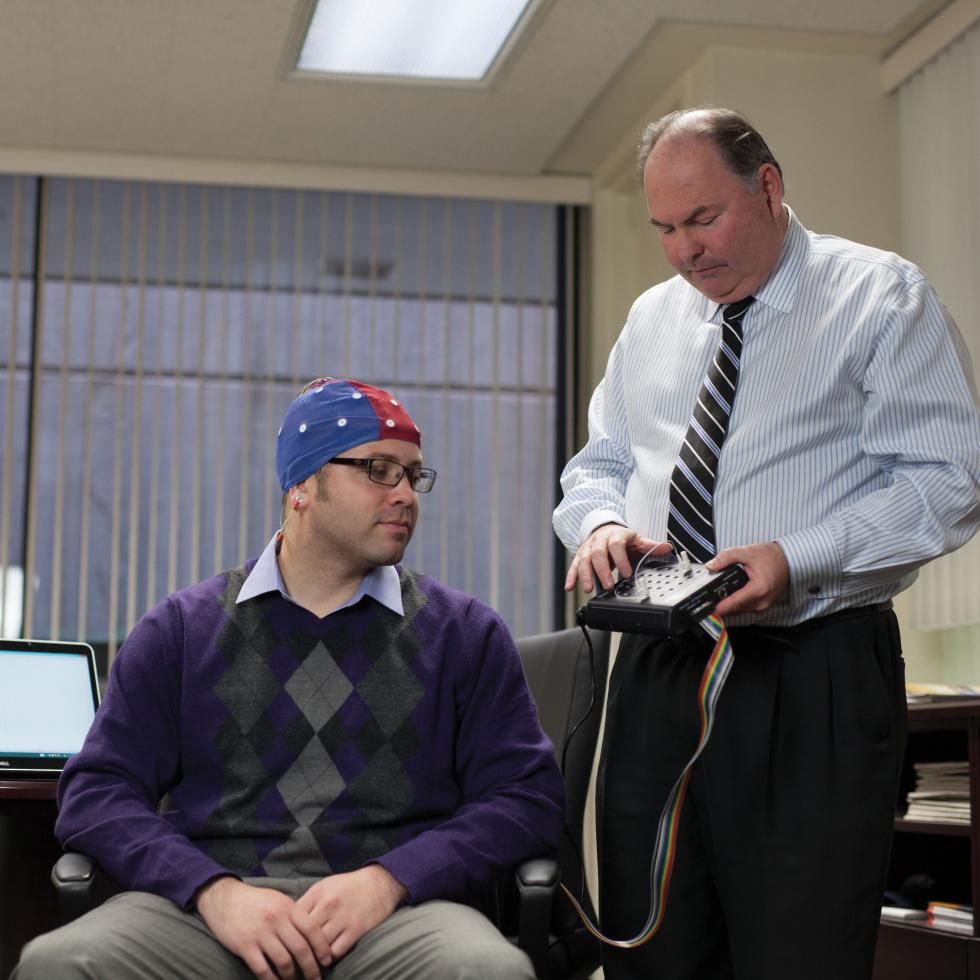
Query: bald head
{"type": "Point", "coordinates": [740, 146]}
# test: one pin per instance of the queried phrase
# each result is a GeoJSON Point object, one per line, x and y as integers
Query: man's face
{"type": "Point", "coordinates": [722, 236]}
{"type": "Point", "coordinates": [359, 522]}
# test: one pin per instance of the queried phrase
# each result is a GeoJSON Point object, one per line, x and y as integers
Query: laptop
{"type": "Point", "coordinates": [49, 691]}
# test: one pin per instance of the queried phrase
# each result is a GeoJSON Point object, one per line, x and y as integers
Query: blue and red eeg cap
{"type": "Point", "coordinates": [331, 416]}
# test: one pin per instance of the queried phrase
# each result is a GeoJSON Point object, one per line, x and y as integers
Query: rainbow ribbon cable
{"type": "Point", "coordinates": [712, 681]}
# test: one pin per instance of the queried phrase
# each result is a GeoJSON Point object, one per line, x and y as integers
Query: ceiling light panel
{"type": "Point", "coordinates": [439, 39]}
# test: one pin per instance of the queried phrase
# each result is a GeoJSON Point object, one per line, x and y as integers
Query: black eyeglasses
{"type": "Point", "coordinates": [389, 473]}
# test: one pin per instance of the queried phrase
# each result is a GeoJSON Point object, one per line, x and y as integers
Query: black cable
{"type": "Point", "coordinates": [591, 704]}
{"type": "Point", "coordinates": [574, 838]}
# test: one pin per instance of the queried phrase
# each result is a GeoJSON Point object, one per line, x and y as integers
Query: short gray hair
{"type": "Point", "coordinates": [740, 144]}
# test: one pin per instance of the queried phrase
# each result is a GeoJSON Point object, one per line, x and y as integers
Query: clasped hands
{"type": "Point", "coordinates": [612, 547]}
{"type": "Point", "coordinates": [281, 938]}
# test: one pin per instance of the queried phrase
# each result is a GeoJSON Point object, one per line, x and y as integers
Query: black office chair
{"type": "Point", "coordinates": [565, 685]}
{"type": "Point", "coordinates": [531, 908]}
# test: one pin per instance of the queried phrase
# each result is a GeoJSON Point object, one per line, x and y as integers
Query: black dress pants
{"type": "Point", "coordinates": [785, 835]}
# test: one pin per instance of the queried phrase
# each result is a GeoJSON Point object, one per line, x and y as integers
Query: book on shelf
{"type": "Point", "coordinates": [943, 770]}
{"type": "Point", "coordinates": [950, 925]}
{"type": "Point", "coordinates": [899, 913]}
{"type": "Point", "coordinates": [950, 914]}
{"type": "Point", "coordinates": [924, 693]}
{"type": "Point", "coordinates": [936, 816]}
{"type": "Point", "coordinates": [941, 793]}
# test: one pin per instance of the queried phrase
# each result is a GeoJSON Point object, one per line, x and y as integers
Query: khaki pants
{"type": "Point", "coordinates": [139, 936]}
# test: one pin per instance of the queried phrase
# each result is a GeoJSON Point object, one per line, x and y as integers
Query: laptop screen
{"type": "Point", "coordinates": [48, 695]}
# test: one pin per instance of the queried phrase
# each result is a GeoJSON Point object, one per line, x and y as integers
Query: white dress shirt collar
{"type": "Point", "coordinates": [381, 583]}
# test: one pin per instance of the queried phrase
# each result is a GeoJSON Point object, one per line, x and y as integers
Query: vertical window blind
{"type": "Point", "coordinates": [153, 334]}
{"type": "Point", "coordinates": [17, 258]}
{"type": "Point", "coordinates": [939, 120]}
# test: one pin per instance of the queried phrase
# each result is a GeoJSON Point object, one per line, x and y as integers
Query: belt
{"type": "Point", "coordinates": [818, 622]}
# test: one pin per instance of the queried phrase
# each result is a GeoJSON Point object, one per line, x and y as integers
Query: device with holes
{"type": "Point", "coordinates": [662, 597]}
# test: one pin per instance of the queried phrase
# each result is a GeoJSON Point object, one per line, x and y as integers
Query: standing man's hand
{"type": "Point", "coordinates": [609, 546]}
{"type": "Point", "coordinates": [346, 906]}
{"type": "Point", "coordinates": [768, 574]}
{"type": "Point", "coordinates": [268, 930]}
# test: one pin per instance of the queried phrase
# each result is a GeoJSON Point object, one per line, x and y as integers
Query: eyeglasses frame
{"type": "Point", "coordinates": [423, 472]}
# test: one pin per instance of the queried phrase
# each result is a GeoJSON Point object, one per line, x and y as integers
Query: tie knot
{"type": "Point", "coordinates": [736, 310]}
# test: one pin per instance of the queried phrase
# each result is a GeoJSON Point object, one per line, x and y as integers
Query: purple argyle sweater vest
{"type": "Point", "coordinates": [318, 737]}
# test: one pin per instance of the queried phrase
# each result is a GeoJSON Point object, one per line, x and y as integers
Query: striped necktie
{"type": "Point", "coordinates": [690, 526]}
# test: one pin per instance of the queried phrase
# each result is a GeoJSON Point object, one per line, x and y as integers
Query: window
{"type": "Point", "coordinates": [176, 323]}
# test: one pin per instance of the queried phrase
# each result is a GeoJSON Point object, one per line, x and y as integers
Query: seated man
{"type": "Point", "coordinates": [347, 748]}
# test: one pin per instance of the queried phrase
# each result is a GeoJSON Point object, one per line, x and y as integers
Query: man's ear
{"type": "Point", "coordinates": [771, 184]}
{"type": "Point", "coordinates": [298, 495]}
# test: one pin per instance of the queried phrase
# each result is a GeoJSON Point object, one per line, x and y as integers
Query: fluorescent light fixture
{"type": "Point", "coordinates": [449, 39]}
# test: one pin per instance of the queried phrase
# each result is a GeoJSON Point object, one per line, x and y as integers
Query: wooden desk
{"type": "Point", "coordinates": [28, 849]}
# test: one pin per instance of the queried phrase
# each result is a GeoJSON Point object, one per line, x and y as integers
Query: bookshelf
{"type": "Point", "coordinates": [948, 852]}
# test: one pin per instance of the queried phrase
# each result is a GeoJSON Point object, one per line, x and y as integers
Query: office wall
{"type": "Point", "coordinates": [836, 137]}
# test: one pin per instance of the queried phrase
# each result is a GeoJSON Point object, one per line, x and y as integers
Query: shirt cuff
{"type": "Point", "coordinates": [596, 518]}
{"type": "Point", "coordinates": [814, 564]}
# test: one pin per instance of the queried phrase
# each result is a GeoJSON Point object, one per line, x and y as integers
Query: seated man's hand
{"type": "Point", "coordinates": [768, 572]}
{"type": "Point", "coordinates": [268, 930]}
{"type": "Point", "coordinates": [346, 906]}
{"type": "Point", "coordinates": [609, 546]}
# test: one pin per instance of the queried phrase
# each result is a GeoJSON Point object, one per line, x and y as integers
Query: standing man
{"type": "Point", "coordinates": [347, 749]}
{"type": "Point", "coordinates": [804, 406]}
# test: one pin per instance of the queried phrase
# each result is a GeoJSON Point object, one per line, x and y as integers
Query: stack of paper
{"type": "Point", "coordinates": [941, 794]}
{"type": "Point", "coordinates": [951, 915]}
{"type": "Point", "coordinates": [924, 693]}
{"type": "Point", "coordinates": [901, 914]}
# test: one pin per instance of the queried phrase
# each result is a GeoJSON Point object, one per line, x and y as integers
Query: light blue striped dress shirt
{"type": "Point", "coordinates": [855, 437]}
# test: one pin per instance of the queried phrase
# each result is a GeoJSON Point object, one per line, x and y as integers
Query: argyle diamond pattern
{"type": "Point", "coordinates": [316, 740]}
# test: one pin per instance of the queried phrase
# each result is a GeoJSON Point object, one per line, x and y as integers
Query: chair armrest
{"type": "Point", "coordinates": [537, 882]}
{"type": "Point", "coordinates": [540, 872]}
{"type": "Point", "coordinates": [71, 868]}
{"type": "Point", "coordinates": [80, 884]}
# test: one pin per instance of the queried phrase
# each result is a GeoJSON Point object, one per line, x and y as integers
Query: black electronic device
{"type": "Point", "coordinates": [664, 597]}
